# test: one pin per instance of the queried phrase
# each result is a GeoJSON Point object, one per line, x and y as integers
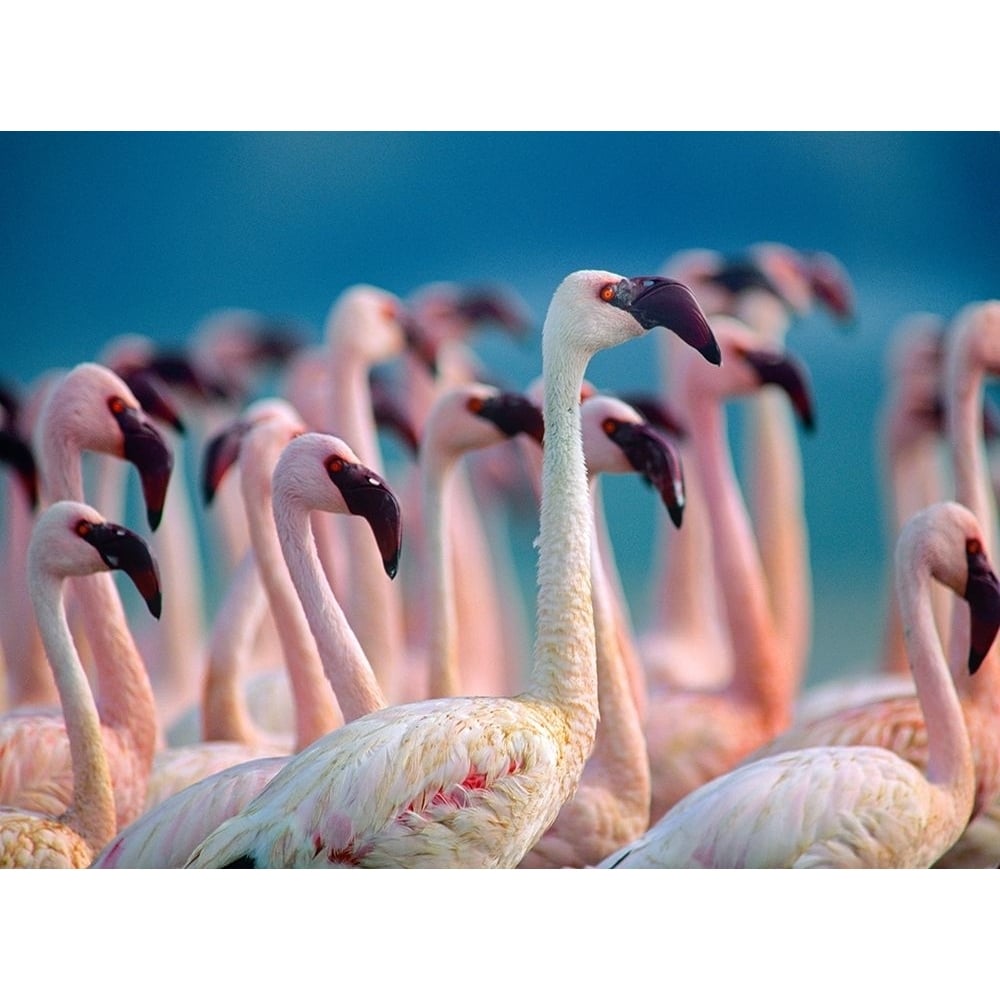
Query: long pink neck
{"type": "Point", "coordinates": [125, 695]}
{"type": "Point", "coordinates": [371, 603]}
{"type": "Point", "coordinates": [344, 661]}
{"type": "Point", "coordinates": [619, 753]}
{"type": "Point", "coordinates": [225, 715]}
{"type": "Point", "coordinates": [761, 673]}
{"type": "Point", "coordinates": [316, 710]}
{"type": "Point", "coordinates": [949, 752]}
{"type": "Point", "coordinates": [964, 393]}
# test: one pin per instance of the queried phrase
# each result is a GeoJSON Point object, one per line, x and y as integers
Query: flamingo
{"type": "Point", "coordinates": [91, 408]}
{"type": "Point", "coordinates": [610, 807]}
{"type": "Point", "coordinates": [973, 347]}
{"type": "Point", "coordinates": [463, 419]}
{"type": "Point", "coordinates": [315, 472]}
{"type": "Point", "coordinates": [266, 427]}
{"type": "Point", "coordinates": [694, 734]}
{"type": "Point", "coordinates": [855, 806]}
{"type": "Point", "coordinates": [173, 651]}
{"type": "Point", "coordinates": [72, 539]}
{"type": "Point", "coordinates": [474, 781]}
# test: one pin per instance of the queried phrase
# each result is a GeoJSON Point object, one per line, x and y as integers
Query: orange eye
{"type": "Point", "coordinates": [334, 464]}
{"type": "Point", "coordinates": [389, 311]}
{"type": "Point", "coordinates": [608, 293]}
{"type": "Point", "coordinates": [83, 528]}
{"type": "Point", "coordinates": [973, 546]}
{"type": "Point", "coordinates": [475, 405]}
{"type": "Point", "coordinates": [117, 405]}
{"type": "Point", "coordinates": [609, 425]}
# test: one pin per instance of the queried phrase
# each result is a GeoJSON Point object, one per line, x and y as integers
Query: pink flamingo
{"type": "Point", "coordinates": [973, 347]}
{"type": "Point", "coordinates": [265, 429]}
{"type": "Point", "coordinates": [695, 734]}
{"type": "Point", "coordinates": [463, 419]}
{"type": "Point", "coordinates": [315, 472]}
{"type": "Point", "coordinates": [854, 806]}
{"type": "Point", "coordinates": [72, 539]}
{"type": "Point", "coordinates": [475, 781]}
{"type": "Point", "coordinates": [610, 807]}
{"type": "Point", "coordinates": [90, 408]}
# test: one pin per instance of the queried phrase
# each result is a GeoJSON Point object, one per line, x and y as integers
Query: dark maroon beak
{"type": "Point", "coordinates": [831, 285]}
{"type": "Point", "coordinates": [654, 458]}
{"type": "Point", "coordinates": [419, 343]}
{"type": "Point", "coordinates": [982, 592]}
{"type": "Point", "coordinates": [664, 302]}
{"type": "Point", "coordinates": [145, 448]}
{"type": "Point", "coordinates": [738, 275]}
{"type": "Point", "coordinates": [16, 452]}
{"type": "Point", "coordinates": [125, 550]}
{"type": "Point", "coordinates": [785, 371]}
{"type": "Point", "coordinates": [221, 452]}
{"type": "Point", "coordinates": [177, 371]}
{"type": "Point", "coordinates": [657, 412]}
{"type": "Point", "coordinates": [512, 413]}
{"type": "Point", "coordinates": [391, 416]}
{"type": "Point", "coordinates": [276, 340]}
{"type": "Point", "coordinates": [153, 396]}
{"type": "Point", "coordinates": [368, 495]}
{"type": "Point", "coordinates": [491, 306]}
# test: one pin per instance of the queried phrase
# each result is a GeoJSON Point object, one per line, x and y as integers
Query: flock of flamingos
{"type": "Point", "coordinates": [366, 694]}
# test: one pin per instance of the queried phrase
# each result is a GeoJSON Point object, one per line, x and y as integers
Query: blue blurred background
{"type": "Point", "coordinates": [105, 233]}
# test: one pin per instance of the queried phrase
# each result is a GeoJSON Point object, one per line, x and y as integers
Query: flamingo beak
{"type": "Point", "coordinates": [16, 452]}
{"type": "Point", "coordinates": [486, 305]}
{"type": "Point", "coordinates": [655, 301]}
{"type": "Point", "coordinates": [125, 550]}
{"type": "Point", "coordinates": [786, 372]}
{"type": "Point", "coordinates": [831, 285]}
{"type": "Point", "coordinates": [738, 275]}
{"type": "Point", "coordinates": [221, 452]}
{"type": "Point", "coordinates": [655, 459]}
{"type": "Point", "coordinates": [152, 398]}
{"type": "Point", "coordinates": [657, 412]}
{"type": "Point", "coordinates": [368, 495]}
{"type": "Point", "coordinates": [145, 448]}
{"type": "Point", "coordinates": [418, 342]}
{"type": "Point", "coordinates": [513, 414]}
{"type": "Point", "coordinates": [982, 592]}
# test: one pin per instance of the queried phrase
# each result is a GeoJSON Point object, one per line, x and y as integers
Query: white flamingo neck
{"type": "Point", "coordinates": [564, 671]}
{"type": "Point", "coordinates": [344, 661]}
{"type": "Point", "coordinates": [92, 812]}
{"type": "Point", "coordinates": [316, 711]}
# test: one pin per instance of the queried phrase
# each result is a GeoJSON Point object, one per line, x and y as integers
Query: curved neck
{"type": "Point", "coordinates": [620, 744]}
{"type": "Point", "coordinates": [564, 668]}
{"type": "Point", "coordinates": [92, 813]}
{"type": "Point", "coordinates": [315, 707]}
{"type": "Point", "coordinates": [964, 394]}
{"type": "Point", "coordinates": [761, 672]}
{"type": "Point", "coordinates": [344, 662]}
{"type": "Point", "coordinates": [224, 714]}
{"type": "Point", "coordinates": [949, 752]}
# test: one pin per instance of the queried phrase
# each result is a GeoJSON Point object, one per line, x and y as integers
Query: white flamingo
{"type": "Point", "coordinates": [473, 782]}
{"type": "Point", "coordinates": [610, 807]}
{"type": "Point", "coordinates": [854, 806]}
{"type": "Point", "coordinates": [72, 539]}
